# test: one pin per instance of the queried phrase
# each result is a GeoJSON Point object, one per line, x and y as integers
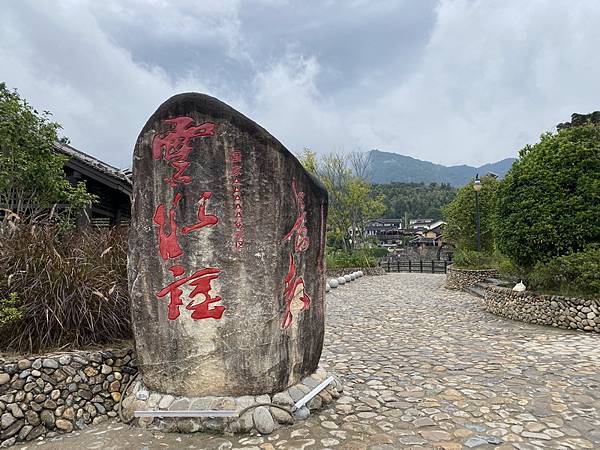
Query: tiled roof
{"type": "Point", "coordinates": [122, 175]}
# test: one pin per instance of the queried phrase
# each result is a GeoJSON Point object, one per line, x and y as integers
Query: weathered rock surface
{"type": "Point", "coordinates": [226, 254]}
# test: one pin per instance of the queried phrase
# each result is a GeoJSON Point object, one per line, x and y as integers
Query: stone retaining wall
{"type": "Point", "coordinates": [554, 310]}
{"type": "Point", "coordinates": [371, 271]}
{"type": "Point", "coordinates": [463, 278]}
{"type": "Point", "coordinates": [57, 393]}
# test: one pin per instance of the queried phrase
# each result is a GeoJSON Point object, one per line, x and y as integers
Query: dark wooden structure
{"type": "Point", "coordinates": [420, 266]}
{"type": "Point", "coordinates": [112, 187]}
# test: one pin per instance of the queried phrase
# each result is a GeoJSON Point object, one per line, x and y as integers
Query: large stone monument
{"type": "Point", "coordinates": [226, 269]}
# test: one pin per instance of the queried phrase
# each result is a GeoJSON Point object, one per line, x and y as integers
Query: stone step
{"type": "Point", "coordinates": [482, 284]}
{"type": "Point", "coordinates": [475, 290]}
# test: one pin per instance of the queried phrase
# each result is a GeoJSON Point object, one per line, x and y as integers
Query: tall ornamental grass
{"type": "Point", "coordinates": [64, 289]}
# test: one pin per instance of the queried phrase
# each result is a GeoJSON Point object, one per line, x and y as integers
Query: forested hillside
{"type": "Point", "coordinates": [389, 167]}
{"type": "Point", "coordinates": [418, 199]}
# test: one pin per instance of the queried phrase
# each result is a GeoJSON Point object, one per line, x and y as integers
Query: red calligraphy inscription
{"type": "Point", "coordinates": [174, 146]}
{"type": "Point", "coordinates": [235, 157]}
{"type": "Point", "coordinates": [301, 240]}
{"type": "Point", "coordinates": [204, 220]}
{"type": "Point", "coordinates": [292, 283]}
{"type": "Point", "coordinates": [201, 283]}
{"type": "Point", "coordinates": [167, 241]}
{"type": "Point", "coordinates": [294, 291]}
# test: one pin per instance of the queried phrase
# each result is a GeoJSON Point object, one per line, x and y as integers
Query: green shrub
{"type": "Point", "coordinates": [577, 274]}
{"type": "Point", "coordinates": [507, 268]}
{"type": "Point", "coordinates": [471, 259]}
{"type": "Point", "coordinates": [359, 258]}
{"type": "Point", "coordinates": [10, 311]}
{"type": "Point", "coordinates": [549, 201]}
{"type": "Point", "coordinates": [377, 252]}
{"type": "Point", "coordinates": [71, 288]}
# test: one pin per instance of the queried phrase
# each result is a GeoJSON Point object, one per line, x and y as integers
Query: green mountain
{"type": "Point", "coordinates": [389, 167]}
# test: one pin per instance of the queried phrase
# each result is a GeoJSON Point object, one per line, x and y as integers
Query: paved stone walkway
{"type": "Point", "coordinates": [423, 368]}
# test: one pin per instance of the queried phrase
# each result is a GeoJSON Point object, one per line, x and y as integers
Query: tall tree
{"type": "Point", "coordinates": [549, 201]}
{"type": "Point", "coordinates": [32, 179]}
{"type": "Point", "coordinates": [461, 216]}
{"type": "Point", "coordinates": [351, 204]}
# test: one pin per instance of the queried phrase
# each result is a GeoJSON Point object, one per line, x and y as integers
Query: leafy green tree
{"type": "Point", "coordinates": [351, 204]}
{"type": "Point", "coordinates": [309, 160]}
{"type": "Point", "coordinates": [32, 179]}
{"type": "Point", "coordinates": [549, 202]}
{"type": "Point", "coordinates": [460, 215]}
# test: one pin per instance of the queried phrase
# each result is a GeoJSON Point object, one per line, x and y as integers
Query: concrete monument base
{"type": "Point", "coordinates": [259, 413]}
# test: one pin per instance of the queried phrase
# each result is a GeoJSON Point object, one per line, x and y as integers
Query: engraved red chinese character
{"type": "Point", "coordinates": [204, 220]}
{"type": "Point", "coordinates": [201, 283]}
{"type": "Point", "coordinates": [167, 241]}
{"type": "Point", "coordinates": [236, 171]}
{"type": "Point", "coordinates": [174, 145]}
{"type": "Point", "coordinates": [301, 240]}
{"type": "Point", "coordinates": [235, 156]}
{"type": "Point", "coordinates": [293, 294]}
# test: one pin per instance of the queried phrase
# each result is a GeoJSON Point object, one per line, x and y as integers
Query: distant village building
{"type": "Point", "coordinates": [110, 185]}
{"type": "Point", "coordinates": [429, 236]}
{"type": "Point", "coordinates": [387, 232]}
{"type": "Point", "coordinates": [421, 224]}
{"type": "Point", "coordinates": [382, 226]}
{"type": "Point", "coordinates": [421, 232]}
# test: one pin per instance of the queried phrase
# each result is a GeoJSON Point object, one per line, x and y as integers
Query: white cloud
{"type": "Point", "coordinates": [93, 87]}
{"type": "Point", "coordinates": [287, 99]}
{"type": "Point", "coordinates": [494, 75]}
{"type": "Point", "coordinates": [469, 82]}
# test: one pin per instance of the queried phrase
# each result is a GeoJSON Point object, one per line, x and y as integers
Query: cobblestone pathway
{"type": "Point", "coordinates": [424, 368]}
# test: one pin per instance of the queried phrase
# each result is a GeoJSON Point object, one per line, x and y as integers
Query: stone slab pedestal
{"type": "Point", "coordinates": [257, 419]}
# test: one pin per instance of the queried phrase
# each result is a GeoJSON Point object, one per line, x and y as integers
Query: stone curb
{"type": "Point", "coordinates": [334, 283]}
{"type": "Point", "coordinates": [367, 271]}
{"type": "Point", "coordinates": [262, 419]}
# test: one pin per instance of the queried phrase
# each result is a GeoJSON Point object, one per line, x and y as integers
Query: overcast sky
{"type": "Point", "coordinates": [452, 82]}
